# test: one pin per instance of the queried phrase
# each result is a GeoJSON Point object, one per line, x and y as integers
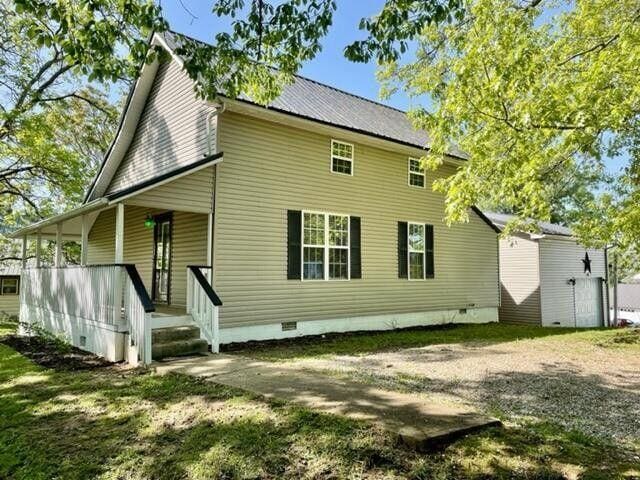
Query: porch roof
{"type": "Point", "coordinates": [72, 220]}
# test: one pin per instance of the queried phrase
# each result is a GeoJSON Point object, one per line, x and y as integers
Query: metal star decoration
{"type": "Point", "coordinates": [587, 263]}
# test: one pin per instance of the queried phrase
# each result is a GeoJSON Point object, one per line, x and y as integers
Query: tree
{"type": "Point", "coordinates": [536, 93]}
{"type": "Point", "coordinates": [56, 59]}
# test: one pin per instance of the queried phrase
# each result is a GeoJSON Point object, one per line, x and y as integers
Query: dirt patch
{"type": "Point", "coordinates": [300, 341]}
{"type": "Point", "coordinates": [48, 354]}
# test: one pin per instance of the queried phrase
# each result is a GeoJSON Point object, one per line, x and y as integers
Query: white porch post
{"type": "Point", "coordinates": [210, 240]}
{"type": "Point", "coordinates": [58, 255]}
{"type": "Point", "coordinates": [24, 252]}
{"type": "Point", "coordinates": [38, 249]}
{"type": "Point", "coordinates": [84, 241]}
{"type": "Point", "coordinates": [119, 254]}
{"type": "Point", "coordinates": [119, 258]}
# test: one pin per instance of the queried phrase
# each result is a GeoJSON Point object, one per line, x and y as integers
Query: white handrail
{"type": "Point", "coordinates": [203, 303]}
{"type": "Point", "coordinates": [139, 323]}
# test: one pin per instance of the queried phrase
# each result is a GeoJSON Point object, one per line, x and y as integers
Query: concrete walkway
{"type": "Point", "coordinates": [417, 423]}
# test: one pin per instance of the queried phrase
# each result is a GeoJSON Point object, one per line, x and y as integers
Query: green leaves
{"type": "Point", "coordinates": [266, 44]}
{"type": "Point", "coordinates": [105, 39]}
{"type": "Point", "coordinates": [536, 98]}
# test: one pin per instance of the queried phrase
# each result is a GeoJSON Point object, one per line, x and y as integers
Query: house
{"type": "Point", "coordinates": [9, 292]}
{"type": "Point", "coordinates": [628, 302]}
{"type": "Point", "coordinates": [242, 223]}
{"type": "Point", "coordinates": [547, 278]}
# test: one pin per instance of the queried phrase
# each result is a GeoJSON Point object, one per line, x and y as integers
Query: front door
{"type": "Point", "coordinates": [162, 258]}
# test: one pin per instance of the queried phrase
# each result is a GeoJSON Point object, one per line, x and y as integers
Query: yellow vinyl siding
{"type": "Point", "coordinates": [269, 168]}
{"type": "Point", "coordinates": [193, 193]}
{"type": "Point", "coordinates": [189, 245]}
{"type": "Point", "coordinates": [171, 131]}
{"type": "Point", "coordinates": [520, 281]}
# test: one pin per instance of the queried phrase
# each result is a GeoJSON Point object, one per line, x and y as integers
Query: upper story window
{"type": "Point", "coordinates": [416, 173]}
{"type": "Point", "coordinates": [9, 285]}
{"type": "Point", "coordinates": [341, 157]}
{"type": "Point", "coordinates": [325, 246]}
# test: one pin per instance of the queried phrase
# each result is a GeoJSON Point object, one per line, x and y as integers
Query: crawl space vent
{"type": "Point", "coordinates": [83, 341]}
{"type": "Point", "coordinates": [286, 326]}
{"type": "Point", "coordinates": [462, 311]}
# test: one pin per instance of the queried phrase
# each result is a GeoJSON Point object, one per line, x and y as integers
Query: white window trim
{"type": "Point", "coordinates": [326, 247]}
{"type": "Point", "coordinates": [421, 173]}
{"type": "Point", "coordinates": [423, 251]}
{"type": "Point", "coordinates": [350, 160]}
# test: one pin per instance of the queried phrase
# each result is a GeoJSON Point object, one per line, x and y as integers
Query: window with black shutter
{"type": "Point", "coordinates": [294, 246]}
{"type": "Point", "coordinates": [415, 251]}
{"type": "Point", "coordinates": [402, 249]}
{"type": "Point", "coordinates": [429, 261]}
{"type": "Point", "coordinates": [323, 246]}
{"type": "Point", "coordinates": [354, 240]}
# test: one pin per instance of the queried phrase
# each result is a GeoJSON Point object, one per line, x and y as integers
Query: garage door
{"type": "Point", "coordinates": [588, 302]}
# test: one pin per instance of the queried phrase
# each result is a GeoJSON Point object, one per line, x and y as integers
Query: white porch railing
{"type": "Point", "coordinates": [65, 298]}
{"type": "Point", "coordinates": [91, 293]}
{"type": "Point", "coordinates": [203, 303]}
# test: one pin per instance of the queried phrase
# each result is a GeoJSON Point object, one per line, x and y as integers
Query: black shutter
{"type": "Point", "coordinates": [402, 249]}
{"type": "Point", "coordinates": [428, 250]}
{"type": "Point", "coordinates": [354, 240]}
{"type": "Point", "coordinates": [294, 249]}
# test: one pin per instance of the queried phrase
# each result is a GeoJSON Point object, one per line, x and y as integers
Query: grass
{"type": "Point", "coordinates": [362, 343]}
{"type": "Point", "coordinates": [110, 423]}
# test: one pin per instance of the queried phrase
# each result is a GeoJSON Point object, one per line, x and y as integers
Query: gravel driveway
{"type": "Point", "coordinates": [581, 386]}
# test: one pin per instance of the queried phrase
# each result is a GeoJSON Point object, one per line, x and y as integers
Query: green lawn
{"type": "Point", "coordinates": [361, 343]}
{"type": "Point", "coordinates": [111, 423]}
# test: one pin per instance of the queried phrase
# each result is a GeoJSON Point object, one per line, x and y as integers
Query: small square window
{"type": "Point", "coordinates": [416, 173]}
{"type": "Point", "coordinates": [341, 158]}
{"type": "Point", "coordinates": [9, 286]}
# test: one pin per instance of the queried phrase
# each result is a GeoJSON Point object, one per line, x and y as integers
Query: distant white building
{"type": "Point", "coordinates": [628, 303]}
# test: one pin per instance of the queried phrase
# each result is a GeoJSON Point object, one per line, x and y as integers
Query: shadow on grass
{"type": "Point", "coordinates": [360, 343]}
{"type": "Point", "coordinates": [119, 424]}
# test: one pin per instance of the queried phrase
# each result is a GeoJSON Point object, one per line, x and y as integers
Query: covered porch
{"type": "Point", "coordinates": [145, 264]}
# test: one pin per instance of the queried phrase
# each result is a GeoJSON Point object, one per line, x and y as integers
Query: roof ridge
{"type": "Point", "coordinates": [354, 95]}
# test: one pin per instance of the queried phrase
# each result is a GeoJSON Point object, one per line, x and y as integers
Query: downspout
{"type": "Point", "coordinates": [608, 286]}
{"type": "Point", "coordinates": [219, 109]}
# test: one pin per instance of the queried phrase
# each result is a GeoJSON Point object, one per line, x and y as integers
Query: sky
{"type": "Point", "coordinates": [194, 17]}
{"type": "Point", "coordinates": [328, 67]}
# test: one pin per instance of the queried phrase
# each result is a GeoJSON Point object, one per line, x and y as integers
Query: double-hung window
{"type": "Point", "coordinates": [325, 246]}
{"type": "Point", "coordinates": [416, 173]}
{"type": "Point", "coordinates": [416, 251]}
{"type": "Point", "coordinates": [341, 157]}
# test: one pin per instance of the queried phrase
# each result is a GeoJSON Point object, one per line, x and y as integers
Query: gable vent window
{"type": "Point", "coordinates": [415, 251]}
{"type": "Point", "coordinates": [323, 246]}
{"type": "Point", "coordinates": [416, 174]}
{"type": "Point", "coordinates": [341, 157]}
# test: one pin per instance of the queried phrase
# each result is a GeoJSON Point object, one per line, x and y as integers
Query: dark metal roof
{"type": "Point", "coordinates": [501, 219]}
{"type": "Point", "coordinates": [329, 105]}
